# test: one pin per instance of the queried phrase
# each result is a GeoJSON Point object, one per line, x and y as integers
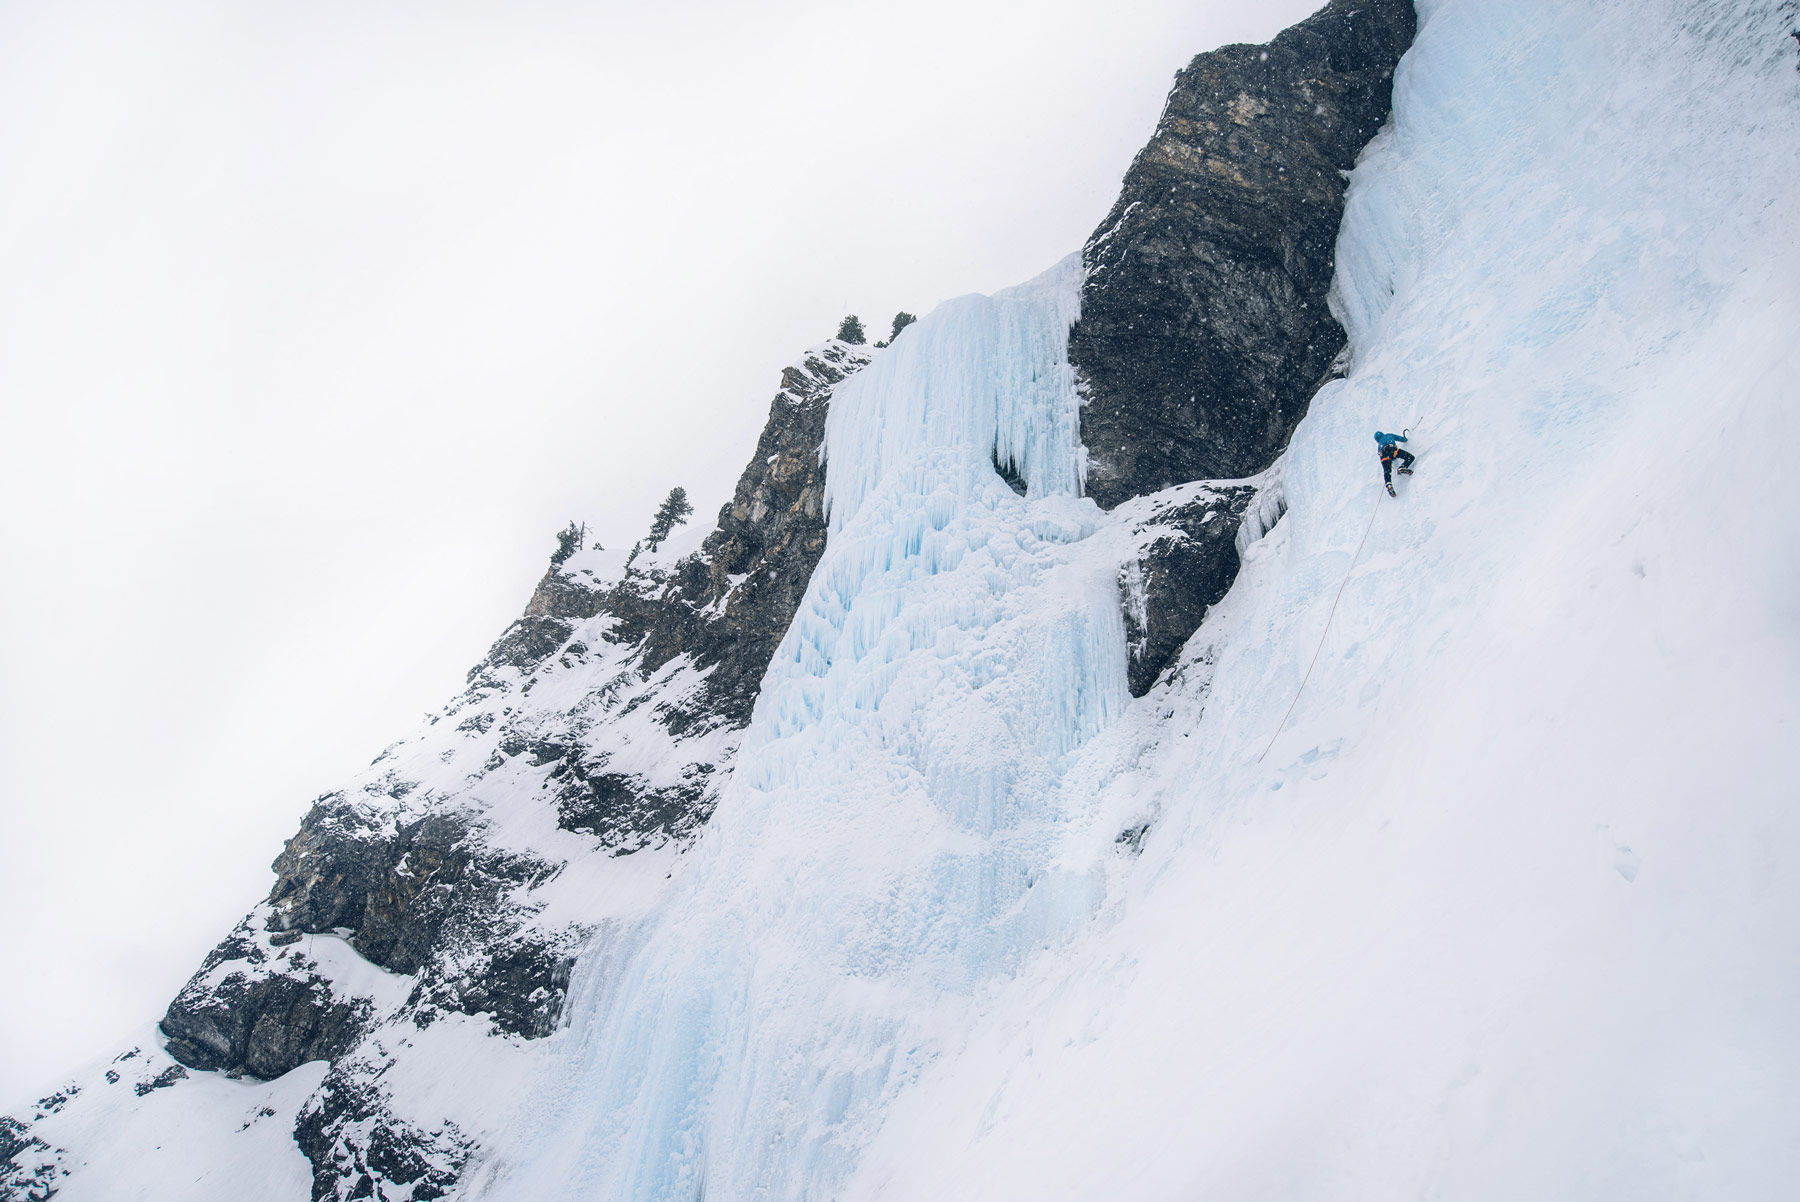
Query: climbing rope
{"type": "Point", "coordinates": [1328, 617]}
{"type": "Point", "coordinates": [1354, 560]}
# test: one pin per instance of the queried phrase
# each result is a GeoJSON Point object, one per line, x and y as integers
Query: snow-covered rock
{"type": "Point", "coordinates": [451, 886]}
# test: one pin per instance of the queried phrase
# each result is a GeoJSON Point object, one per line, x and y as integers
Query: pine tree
{"type": "Point", "coordinates": [902, 319]}
{"type": "Point", "coordinates": [674, 511]}
{"type": "Point", "coordinates": [850, 330]}
{"type": "Point", "coordinates": [567, 543]}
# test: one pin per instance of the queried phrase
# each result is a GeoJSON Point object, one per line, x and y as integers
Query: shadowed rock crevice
{"type": "Point", "coordinates": [1186, 561]}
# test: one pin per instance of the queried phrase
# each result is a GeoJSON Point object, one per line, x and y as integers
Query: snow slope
{"type": "Point", "coordinates": [1507, 911]}
{"type": "Point", "coordinates": [148, 1129]}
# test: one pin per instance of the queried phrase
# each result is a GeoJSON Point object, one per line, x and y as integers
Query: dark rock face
{"type": "Point", "coordinates": [527, 643]}
{"type": "Point", "coordinates": [395, 892]}
{"type": "Point", "coordinates": [626, 810]}
{"type": "Point", "coordinates": [14, 1137]}
{"type": "Point", "coordinates": [428, 898]}
{"type": "Point", "coordinates": [728, 606]}
{"type": "Point", "coordinates": [519, 984]}
{"type": "Point", "coordinates": [1186, 561]}
{"type": "Point", "coordinates": [162, 1080]}
{"type": "Point", "coordinates": [725, 609]}
{"type": "Point", "coordinates": [1204, 330]}
{"type": "Point", "coordinates": [770, 538]}
{"type": "Point", "coordinates": [262, 1019]}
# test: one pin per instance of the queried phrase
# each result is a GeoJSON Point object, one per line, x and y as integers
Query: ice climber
{"type": "Point", "coordinates": [1390, 451]}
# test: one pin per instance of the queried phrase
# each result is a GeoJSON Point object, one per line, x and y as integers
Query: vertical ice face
{"type": "Point", "coordinates": [887, 843]}
{"type": "Point", "coordinates": [988, 377]}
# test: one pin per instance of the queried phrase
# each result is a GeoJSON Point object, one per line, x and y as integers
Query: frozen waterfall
{"type": "Point", "coordinates": [887, 844]}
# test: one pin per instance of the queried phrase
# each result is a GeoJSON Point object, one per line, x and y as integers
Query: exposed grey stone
{"type": "Point", "coordinates": [1204, 329]}
{"type": "Point", "coordinates": [162, 1080]}
{"type": "Point", "coordinates": [627, 811]}
{"type": "Point", "coordinates": [56, 1101]}
{"type": "Point", "coordinates": [527, 643]}
{"type": "Point", "coordinates": [263, 1019]}
{"type": "Point", "coordinates": [729, 606]}
{"type": "Point", "coordinates": [519, 985]}
{"type": "Point", "coordinates": [25, 1177]}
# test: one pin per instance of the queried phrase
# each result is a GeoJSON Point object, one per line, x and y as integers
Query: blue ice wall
{"type": "Point", "coordinates": [887, 843]}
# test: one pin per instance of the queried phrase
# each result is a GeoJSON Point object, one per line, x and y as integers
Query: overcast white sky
{"type": "Point", "coordinates": [319, 317]}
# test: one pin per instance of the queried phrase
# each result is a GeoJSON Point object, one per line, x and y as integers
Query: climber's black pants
{"type": "Point", "coordinates": [1387, 463]}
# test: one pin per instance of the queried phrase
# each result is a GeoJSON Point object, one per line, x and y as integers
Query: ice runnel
{"type": "Point", "coordinates": [887, 842]}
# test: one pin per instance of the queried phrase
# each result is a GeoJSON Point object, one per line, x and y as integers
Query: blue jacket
{"type": "Point", "coordinates": [1388, 440]}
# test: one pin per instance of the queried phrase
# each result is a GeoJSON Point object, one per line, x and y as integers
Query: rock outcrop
{"type": "Point", "coordinates": [1186, 559]}
{"type": "Point", "coordinates": [247, 1011]}
{"type": "Point", "coordinates": [614, 699]}
{"type": "Point", "coordinates": [1204, 327]}
{"type": "Point", "coordinates": [359, 1148]}
{"type": "Point", "coordinates": [727, 607]}
{"type": "Point", "coordinates": [28, 1167]}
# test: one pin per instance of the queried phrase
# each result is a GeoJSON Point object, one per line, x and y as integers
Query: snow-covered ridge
{"type": "Point", "coordinates": [956, 642]}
